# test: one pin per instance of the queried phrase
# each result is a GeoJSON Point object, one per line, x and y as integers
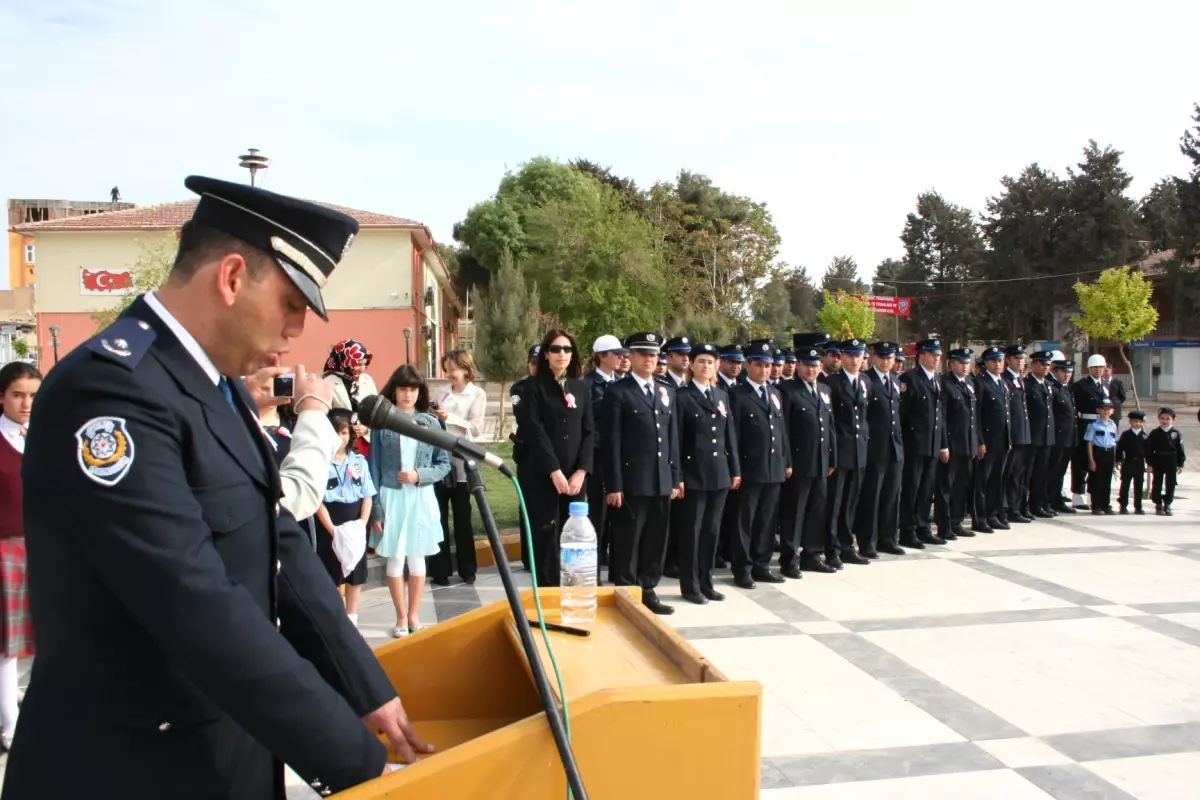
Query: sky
{"type": "Point", "coordinates": [834, 114]}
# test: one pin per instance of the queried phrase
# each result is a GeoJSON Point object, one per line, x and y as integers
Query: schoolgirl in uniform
{"type": "Point", "coordinates": [406, 522]}
{"type": "Point", "coordinates": [349, 497]}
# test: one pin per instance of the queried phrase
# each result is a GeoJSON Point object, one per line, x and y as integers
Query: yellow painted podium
{"type": "Point", "coordinates": [650, 717]}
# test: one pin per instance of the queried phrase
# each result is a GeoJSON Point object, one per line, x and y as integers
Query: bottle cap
{"type": "Point", "coordinates": [577, 509]}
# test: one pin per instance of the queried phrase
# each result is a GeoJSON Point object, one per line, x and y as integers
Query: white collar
{"type": "Point", "coordinates": [11, 430]}
{"type": "Point", "coordinates": [1167, 429]}
{"type": "Point", "coordinates": [928, 374]}
{"type": "Point", "coordinates": [641, 383]}
{"type": "Point", "coordinates": [607, 378]}
{"type": "Point", "coordinates": [852, 378]}
{"type": "Point", "coordinates": [186, 339]}
{"type": "Point", "coordinates": [883, 376]}
{"type": "Point", "coordinates": [756, 386]}
{"type": "Point", "coordinates": [1016, 375]}
{"type": "Point", "coordinates": [995, 378]}
{"type": "Point", "coordinates": [678, 380]}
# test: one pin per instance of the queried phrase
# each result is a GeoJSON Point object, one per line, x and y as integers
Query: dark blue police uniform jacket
{"type": "Point", "coordinates": [707, 441]}
{"type": "Point", "coordinates": [189, 640]}
{"type": "Point", "coordinates": [641, 440]}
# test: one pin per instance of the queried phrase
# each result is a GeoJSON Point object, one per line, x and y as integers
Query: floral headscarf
{"type": "Point", "coordinates": [345, 356]}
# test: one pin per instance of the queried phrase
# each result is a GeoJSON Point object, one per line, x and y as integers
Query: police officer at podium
{"type": "Point", "coordinates": [189, 640]}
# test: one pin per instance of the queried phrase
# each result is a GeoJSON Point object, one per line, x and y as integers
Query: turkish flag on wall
{"type": "Point", "coordinates": [104, 281]}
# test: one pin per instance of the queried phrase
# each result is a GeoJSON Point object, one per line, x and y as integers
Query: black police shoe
{"type": "Point", "coordinates": [891, 549]}
{"type": "Point", "coordinates": [791, 571]}
{"type": "Point", "coordinates": [851, 557]}
{"type": "Point", "coordinates": [693, 597]}
{"type": "Point", "coordinates": [744, 583]}
{"type": "Point", "coordinates": [766, 576]}
{"type": "Point", "coordinates": [657, 606]}
{"type": "Point", "coordinates": [713, 594]}
{"type": "Point", "coordinates": [998, 524]}
{"type": "Point", "coordinates": [808, 564]}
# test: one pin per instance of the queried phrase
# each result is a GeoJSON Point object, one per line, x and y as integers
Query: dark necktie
{"type": "Point", "coordinates": [707, 397]}
{"type": "Point", "coordinates": [649, 393]}
{"type": "Point", "coordinates": [227, 390]}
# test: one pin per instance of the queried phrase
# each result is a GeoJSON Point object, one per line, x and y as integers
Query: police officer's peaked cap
{"type": "Point", "coordinates": [961, 354]}
{"type": "Point", "coordinates": [789, 355]}
{"type": "Point", "coordinates": [662, 357]}
{"type": "Point", "coordinates": [645, 342]}
{"type": "Point", "coordinates": [929, 346]}
{"type": "Point", "coordinates": [884, 349]}
{"type": "Point", "coordinates": [854, 347]}
{"type": "Point", "coordinates": [900, 356]}
{"type": "Point", "coordinates": [1168, 411]}
{"type": "Point", "coordinates": [760, 350]}
{"type": "Point", "coordinates": [979, 361]}
{"type": "Point", "coordinates": [700, 349]}
{"type": "Point", "coordinates": [805, 341]}
{"type": "Point", "coordinates": [1065, 364]}
{"type": "Point", "coordinates": [534, 353]}
{"type": "Point", "coordinates": [768, 342]}
{"type": "Point", "coordinates": [809, 355]}
{"type": "Point", "coordinates": [732, 352]}
{"type": "Point", "coordinates": [1137, 414]}
{"type": "Point", "coordinates": [1043, 356]}
{"type": "Point", "coordinates": [680, 344]}
{"type": "Point", "coordinates": [307, 240]}
{"type": "Point", "coordinates": [779, 359]}
{"type": "Point", "coordinates": [1015, 351]}
{"type": "Point", "coordinates": [993, 354]}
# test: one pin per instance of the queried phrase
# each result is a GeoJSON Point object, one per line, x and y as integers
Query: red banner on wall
{"type": "Point", "coordinates": [892, 306]}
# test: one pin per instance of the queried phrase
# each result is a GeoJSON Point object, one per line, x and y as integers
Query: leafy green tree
{"type": "Point", "coordinates": [150, 271]}
{"type": "Point", "coordinates": [773, 309]}
{"type": "Point", "coordinates": [1117, 307]}
{"type": "Point", "coordinates": [804, 297]}
{"type": "Point", "coordinates": [845, 316]}
{"type": "Point", "coordinates": [20, 347]}
{"type": "Point", "coordinates": [842, 276]}
{"type": "Point", "coordinates": [1160, 214]}
{"type": "Point", "coordinates": [707, 326]}
{"type": "Point", "coordinates": [506, 321]}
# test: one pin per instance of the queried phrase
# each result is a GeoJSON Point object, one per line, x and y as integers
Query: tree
{"type": "Point", "coordinates": [506, 321]}
{"type": "Point", "coordinates": [20, 347]}
{"type": "Point", "coordinates": [842, 276]}
{"type": "Point", "coordinates": [845, 316]}
{"type": "Point", "coordinates": [706, 327]}
{"type": "Point", "coordinates": [150, 271]}
{"type": "Point", "coordinates": [773, 309]}
{"type": "Point", "coordinates": [804, 298]}
{"type": "Point", "coordinates": [1117, 307]}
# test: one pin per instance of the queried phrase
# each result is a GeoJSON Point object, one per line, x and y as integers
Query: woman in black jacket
{"type": "Point", "coordinates": [554, 425]}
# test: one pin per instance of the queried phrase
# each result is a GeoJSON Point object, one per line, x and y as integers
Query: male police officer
{"type": "Point", "coordinates": [876, 521]}
{"type": "Point", "coordinates": [607, 352]}
{"type": "Point", "coordinates": [642, 475]}
{"type": "Point", "coordinates": [962, 436]}
{"type": "Point", "coordinates": [678, 354]}
{"type": "Point", "coordinates": [1039, 397]}
{"type": "Point", "coordinates": [1016, 468]}
{"type": "Point", "coordinates": [190, 642]}
{"type": "Point", "coordinates": [924, 444]}
{"type": "Point", "coordinates": [1064, 434]}
{"type": "Point", "coordinates": [849, 393]}
{"type": "Point", "coordinates": [995, 435]}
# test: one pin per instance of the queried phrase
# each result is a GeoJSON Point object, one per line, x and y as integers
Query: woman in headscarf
{"type": "Point", "coordinates": [347, 367]}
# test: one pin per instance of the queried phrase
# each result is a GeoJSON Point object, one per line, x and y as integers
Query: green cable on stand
{"type": "Point", "coordinates": [537, 601]}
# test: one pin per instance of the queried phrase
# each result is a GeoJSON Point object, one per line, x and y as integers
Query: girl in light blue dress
{"type": "Point", "coordinates": [406, 521]}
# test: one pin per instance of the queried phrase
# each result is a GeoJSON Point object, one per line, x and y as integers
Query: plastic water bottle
{"type": "Point", "coordinates": [577, 567]}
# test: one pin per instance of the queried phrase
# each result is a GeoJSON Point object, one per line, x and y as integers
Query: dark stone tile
{"type": "Point", "coordinates": [1167, 627]}
{"type": "Point", "coordinates": [1185, 607]}
{"type": "Point", "coordinates": [1072, 782]}
{"type": "Point", "coordinates": [1050, 551]}
{"type": "Point", "coordinates": [1151, 740]}
{"type": "Point", "coordinates": [738, 631]}
{"type": "Point", "coordinates": [1192, 555]}
{"type": "Point", "coordinates": [1037, 584]}
{"type": "Point", "coordinates": [773, 777]}
{"type": "Point", "coordinates": [894, 762]}
{"type": "Point", "coordinates": [959, 620]}
{"type": "Point", "coordinates": [784, 606]}
{"type": "Point", "coordinates": [961, 714]}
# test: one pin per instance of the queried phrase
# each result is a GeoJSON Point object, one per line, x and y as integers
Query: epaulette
{"type": "Point", "coordinates": [126, 341]}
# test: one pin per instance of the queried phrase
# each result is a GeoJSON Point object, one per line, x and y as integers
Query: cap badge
{"type": "Point", "coordinates": [649, 337]}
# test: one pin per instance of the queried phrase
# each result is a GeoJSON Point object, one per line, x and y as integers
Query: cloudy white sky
{"type": "Point", "coordinates": [835, 114]}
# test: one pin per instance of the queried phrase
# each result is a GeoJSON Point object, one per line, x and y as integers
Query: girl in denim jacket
{"type": "Point", "coordinates": [406, 522]}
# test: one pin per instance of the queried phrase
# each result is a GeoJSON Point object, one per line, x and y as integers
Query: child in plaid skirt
{"type": "Point", "coordinates": [19, 382]}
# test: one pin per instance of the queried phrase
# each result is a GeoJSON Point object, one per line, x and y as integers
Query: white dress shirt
{"type": "Point", "coordinates": [13, 433]}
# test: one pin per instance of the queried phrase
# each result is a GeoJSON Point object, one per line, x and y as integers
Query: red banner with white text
{"type": "Point", "coordinates": [892, 306]}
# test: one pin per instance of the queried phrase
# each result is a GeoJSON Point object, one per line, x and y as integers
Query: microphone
{"type": "Point", "coordinates": [378, 412]}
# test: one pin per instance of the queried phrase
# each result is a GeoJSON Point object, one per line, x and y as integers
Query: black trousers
{"type": "Point", "coordinates": [455, 500]}
{"type": "Point", "coordinates": [1039, 478]}
{"type": "Point", "coordinates": [548, 511]}
{"type": "Point", "coordinates": [1163, 495]}
{"type": "Point", "coordinates": [1060, 461]}
{"type": "Point", "coordinates": [639, 542]}
{"type": "Point", "coordinates": [1079, 461]}
{"type": "Point", "coordinates": [1133, 472]}
{"type": "Point", "coordinates": [806, 531]}
{"type": "Point", "coordinates": [674, 531]}
{"type": "Point", "coordinates": [729, 525]}
{"type": "Point", "coordinates": [1016, 479]}
{"type": "Point", "coordinates": [699, 527]}
{"type": "Point", "coordinates": [755, 542]}
{"type": "Point", "coordinates": [1100, 481]}
{"type": "Point", "coordinates": [953, 495]}
{"type": "Point", "coordinates": [877, 515]}
{"type": "Point", "coordinates": [919, 480]}
{"type": "Point", "coordinates": [598, 515]}
{"type": "Point", "coordinates": [989, 484]}
{"type": "Point", "coordinates": [844, 490]}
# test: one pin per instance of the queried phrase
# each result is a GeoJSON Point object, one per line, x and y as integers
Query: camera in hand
{"type": "Point", "coordinates": [284, 386]}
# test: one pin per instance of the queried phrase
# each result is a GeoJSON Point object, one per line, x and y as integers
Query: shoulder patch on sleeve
{"type": "Point", "coordinates": [126, 341]}
{"type": "Point", "coordinates": [104, 450]}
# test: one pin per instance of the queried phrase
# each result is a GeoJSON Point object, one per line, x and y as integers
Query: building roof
{"type": "Point", "coordinates": [1156, 263]}
{"type": "Point", "coordinates": [170, 216]}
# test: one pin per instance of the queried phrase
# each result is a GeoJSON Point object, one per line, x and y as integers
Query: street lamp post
{"type": "Point", "coordinates": [54, 331]}
{"type": "Point", "coordinates": [895, 294]}
{"type": "Point", "coordinates": [407, 336]}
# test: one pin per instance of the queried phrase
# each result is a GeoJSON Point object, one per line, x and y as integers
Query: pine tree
{"type": "Point", "coordinates": [506, 324]}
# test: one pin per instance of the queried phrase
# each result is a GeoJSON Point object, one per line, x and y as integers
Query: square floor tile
{"type": "Point", "coordinates": [738, 608]}
{"type": "Point", "coordinates": [1170, 777]}
{"type": "Point", "coordinates": [987, 785]}
{"type": "Point", "coordinates": [785, 734]}
{"type": "Point", "coordinates": [1031, 537]}
{"type": "Point", "coordinates": [1126, 578]}
{"type": "Point", "coordinates": [952, 555]}
{"type": "Point", "coordinates": [832, 697]}
{"type": "Point", "coordinates": [892, 589]}
{"type": "Point", "coordinates": [1023, 752]}
{"type": "Point", "coordinates": [1058, 676]}
{"type": "Point", "coordinates": [1116, 611]}
{"type": "Point", "coordinates": [821, 627]}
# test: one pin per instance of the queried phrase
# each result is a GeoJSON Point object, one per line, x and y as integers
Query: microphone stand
{"type": "Point", "coordinates": [553, 716]}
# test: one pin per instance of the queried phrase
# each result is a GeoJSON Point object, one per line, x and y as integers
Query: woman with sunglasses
{"type": "Point", "coordinates": [554, 417]}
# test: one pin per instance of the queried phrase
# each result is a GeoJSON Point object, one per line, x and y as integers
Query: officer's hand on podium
{"type": "Point", "coordinates": [391, 720]}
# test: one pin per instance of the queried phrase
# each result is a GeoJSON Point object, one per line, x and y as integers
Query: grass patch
{"type": "Point", "coordinates": [501, 495]}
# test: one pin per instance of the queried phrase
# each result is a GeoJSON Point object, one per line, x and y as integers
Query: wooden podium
{"type": "Point", "coordinates": [650, 717]}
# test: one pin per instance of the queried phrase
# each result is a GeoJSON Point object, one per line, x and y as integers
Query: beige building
{"type": "Point", "coordinates": [391, 280]}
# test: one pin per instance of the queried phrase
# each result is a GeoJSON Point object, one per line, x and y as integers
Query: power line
{"type": "Point", "coordinates": [1000, 280]}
